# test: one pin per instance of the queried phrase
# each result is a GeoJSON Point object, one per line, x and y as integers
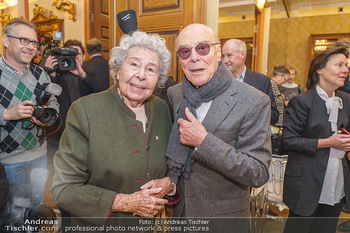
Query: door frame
{"type": "Point", "coordinates": [111, 22]}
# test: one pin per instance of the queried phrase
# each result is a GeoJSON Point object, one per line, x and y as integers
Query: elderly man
{"type": "Point", "coordinates": [97, 64]}
{"type": "Point", "coordinates": [219, 146]}
{"type": "Point", "coordinates": [234, 54]}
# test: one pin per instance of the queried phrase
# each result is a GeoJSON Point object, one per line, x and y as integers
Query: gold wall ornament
{"type": "Point", "coordinates": [46, 24]}
{"type": "Point", "coordinates": [5, 18]}
{"type": "Point", "coordinates": [40, 14]}
{"type": "Point", "coordinates": [67, 6]}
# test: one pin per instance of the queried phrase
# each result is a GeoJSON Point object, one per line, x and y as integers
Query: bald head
{"type": "Point", "coordinates": [197, 29]}
{"type": "Point", "coordinates": [234, 54]}
{"type": "Point", "coordinates": [199, 69]}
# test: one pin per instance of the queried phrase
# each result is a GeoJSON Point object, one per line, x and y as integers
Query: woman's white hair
{"type": "Point", "coordinates": [138, 38]}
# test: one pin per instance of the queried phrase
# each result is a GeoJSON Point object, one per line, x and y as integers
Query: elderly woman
{"type": "Point", "coordinates": [317, 179]}
{"type": "Point", "coordinates": [115, 141]}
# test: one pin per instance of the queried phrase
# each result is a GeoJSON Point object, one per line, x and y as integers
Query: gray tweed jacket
{"type": "Point", "coordinates": [234, 156]}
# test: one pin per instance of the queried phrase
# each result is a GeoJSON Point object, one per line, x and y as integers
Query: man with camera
{"type": "Point", "coordinates": [22, 145]}
{"type": "Point", "coordinates": [75, 83]}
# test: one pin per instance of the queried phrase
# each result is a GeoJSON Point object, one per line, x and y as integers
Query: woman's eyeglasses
{"type": "Point", "coordinates": [25, 41]}
{"type": "Point", "coordinates": [202, 49]}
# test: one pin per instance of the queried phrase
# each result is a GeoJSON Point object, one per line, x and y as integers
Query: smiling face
{"type": "Point", "coordinates": [333, 75]}
{"type": "Point", "coordinates": [198, 69]}
{"type": "Point", "coordinates": [18, 55]}
{"type": "Point", "coordinates": [233, 58]}
{"type": "Point", "coordinates": [138, 75]}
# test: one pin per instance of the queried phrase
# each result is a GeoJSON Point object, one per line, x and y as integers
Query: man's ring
{"type": "Point", "coordinates": [155, 212]}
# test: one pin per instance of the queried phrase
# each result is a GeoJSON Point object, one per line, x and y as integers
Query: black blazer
{"type": "Point", "coordinates": [306, 121]}
{"type": "Point", "coordinates": [87, 86]}
{"type": "Point", "coordinates": [99, 66]}
{"type": "Point", "coordinates": [263, 83]}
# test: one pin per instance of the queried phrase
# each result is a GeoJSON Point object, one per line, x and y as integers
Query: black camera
{"type": "Point", "coordinates": [43, 114]}
{"type": "Point", "coordinates": [65, 56]}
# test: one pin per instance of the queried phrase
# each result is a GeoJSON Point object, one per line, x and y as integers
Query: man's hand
{"type": "Point", "coordinates": [37, 122]}
{"type": "Point", "coordinates": [166, 184]}
{"type": "Point", "coordinates": [79, 70]}
{"type": "Point", "coordinates": [22, 110]}
{"type": "Point", "coordinates": [192, 132]}
{"type": "Point", "coordinates": [50, 62]}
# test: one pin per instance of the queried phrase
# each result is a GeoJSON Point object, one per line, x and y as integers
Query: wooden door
{"type": "Point", "coordinates": [167, 18]}
{"type": "Point", "coordinates": [101, 23]}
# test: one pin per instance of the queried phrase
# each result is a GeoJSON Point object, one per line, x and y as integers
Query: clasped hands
{"type": "Point", "coordinates": [340, 141]}
{"type": "Point", "coordinates": [146, 202]}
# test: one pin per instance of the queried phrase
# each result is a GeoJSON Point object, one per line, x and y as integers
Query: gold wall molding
{"type": "Point", "coordinates": [5, 18]}
{"type": "Point", "coordinates": [46, 24]}
{"type": "Point", "coordinates": [67, 6]}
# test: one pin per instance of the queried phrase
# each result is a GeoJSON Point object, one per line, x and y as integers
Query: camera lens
{"type": "Point", "coordinates": [45, 115]}
{"type": "Point", "coordinates": [65, 63]}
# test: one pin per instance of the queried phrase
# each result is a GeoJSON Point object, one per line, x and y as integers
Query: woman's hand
{"type": "Point", "coordinates": [142, 203]}
{"type": "Point", "coordinates": [338, 141]}
{"type": "Point", "coordinates": [166, 184]}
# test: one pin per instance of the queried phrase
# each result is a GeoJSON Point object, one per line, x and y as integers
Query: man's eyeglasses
{"type": "Point", "coordinates": [202, 49]}
{"type": "Point", "coordinates": [25, 41]}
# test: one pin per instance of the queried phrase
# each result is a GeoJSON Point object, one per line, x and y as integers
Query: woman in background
{"type": "Point", "coordinates": [279, 76]}
{"type": "Point", "coordinates": [317, 179]}
{"type": "Point", "coordinates": [290, 89]}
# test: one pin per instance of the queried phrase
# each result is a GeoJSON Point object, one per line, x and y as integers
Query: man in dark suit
{"type": "Point", "coordinates": [97, 64]}
{"type": "Point", "coordinates": [234, 55]}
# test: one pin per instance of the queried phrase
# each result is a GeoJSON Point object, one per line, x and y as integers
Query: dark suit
{"type": "Point", "coordinates": [99, 66]}
{"type": "Point", "coordinates": [262, 83]}
{"type": "Point", "coordinates": [84, 87]}
{"type": "Point", "coordinates": [306, 121]}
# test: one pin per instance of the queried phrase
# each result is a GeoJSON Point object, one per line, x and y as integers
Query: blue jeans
{"type": "Point", "coordinates": [27, 186]}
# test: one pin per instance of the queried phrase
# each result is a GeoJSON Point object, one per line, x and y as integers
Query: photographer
{"type": "Point", "coordinates": [23, 152]}
{"type": "Point", "coordinates": [75, 84]}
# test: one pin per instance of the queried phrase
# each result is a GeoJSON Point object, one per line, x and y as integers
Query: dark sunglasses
{"type": "Point", "coordinates": [202, 49]}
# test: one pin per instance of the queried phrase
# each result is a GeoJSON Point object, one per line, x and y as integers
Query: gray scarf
{"type": "Point", "coordinates": [179, 155]}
